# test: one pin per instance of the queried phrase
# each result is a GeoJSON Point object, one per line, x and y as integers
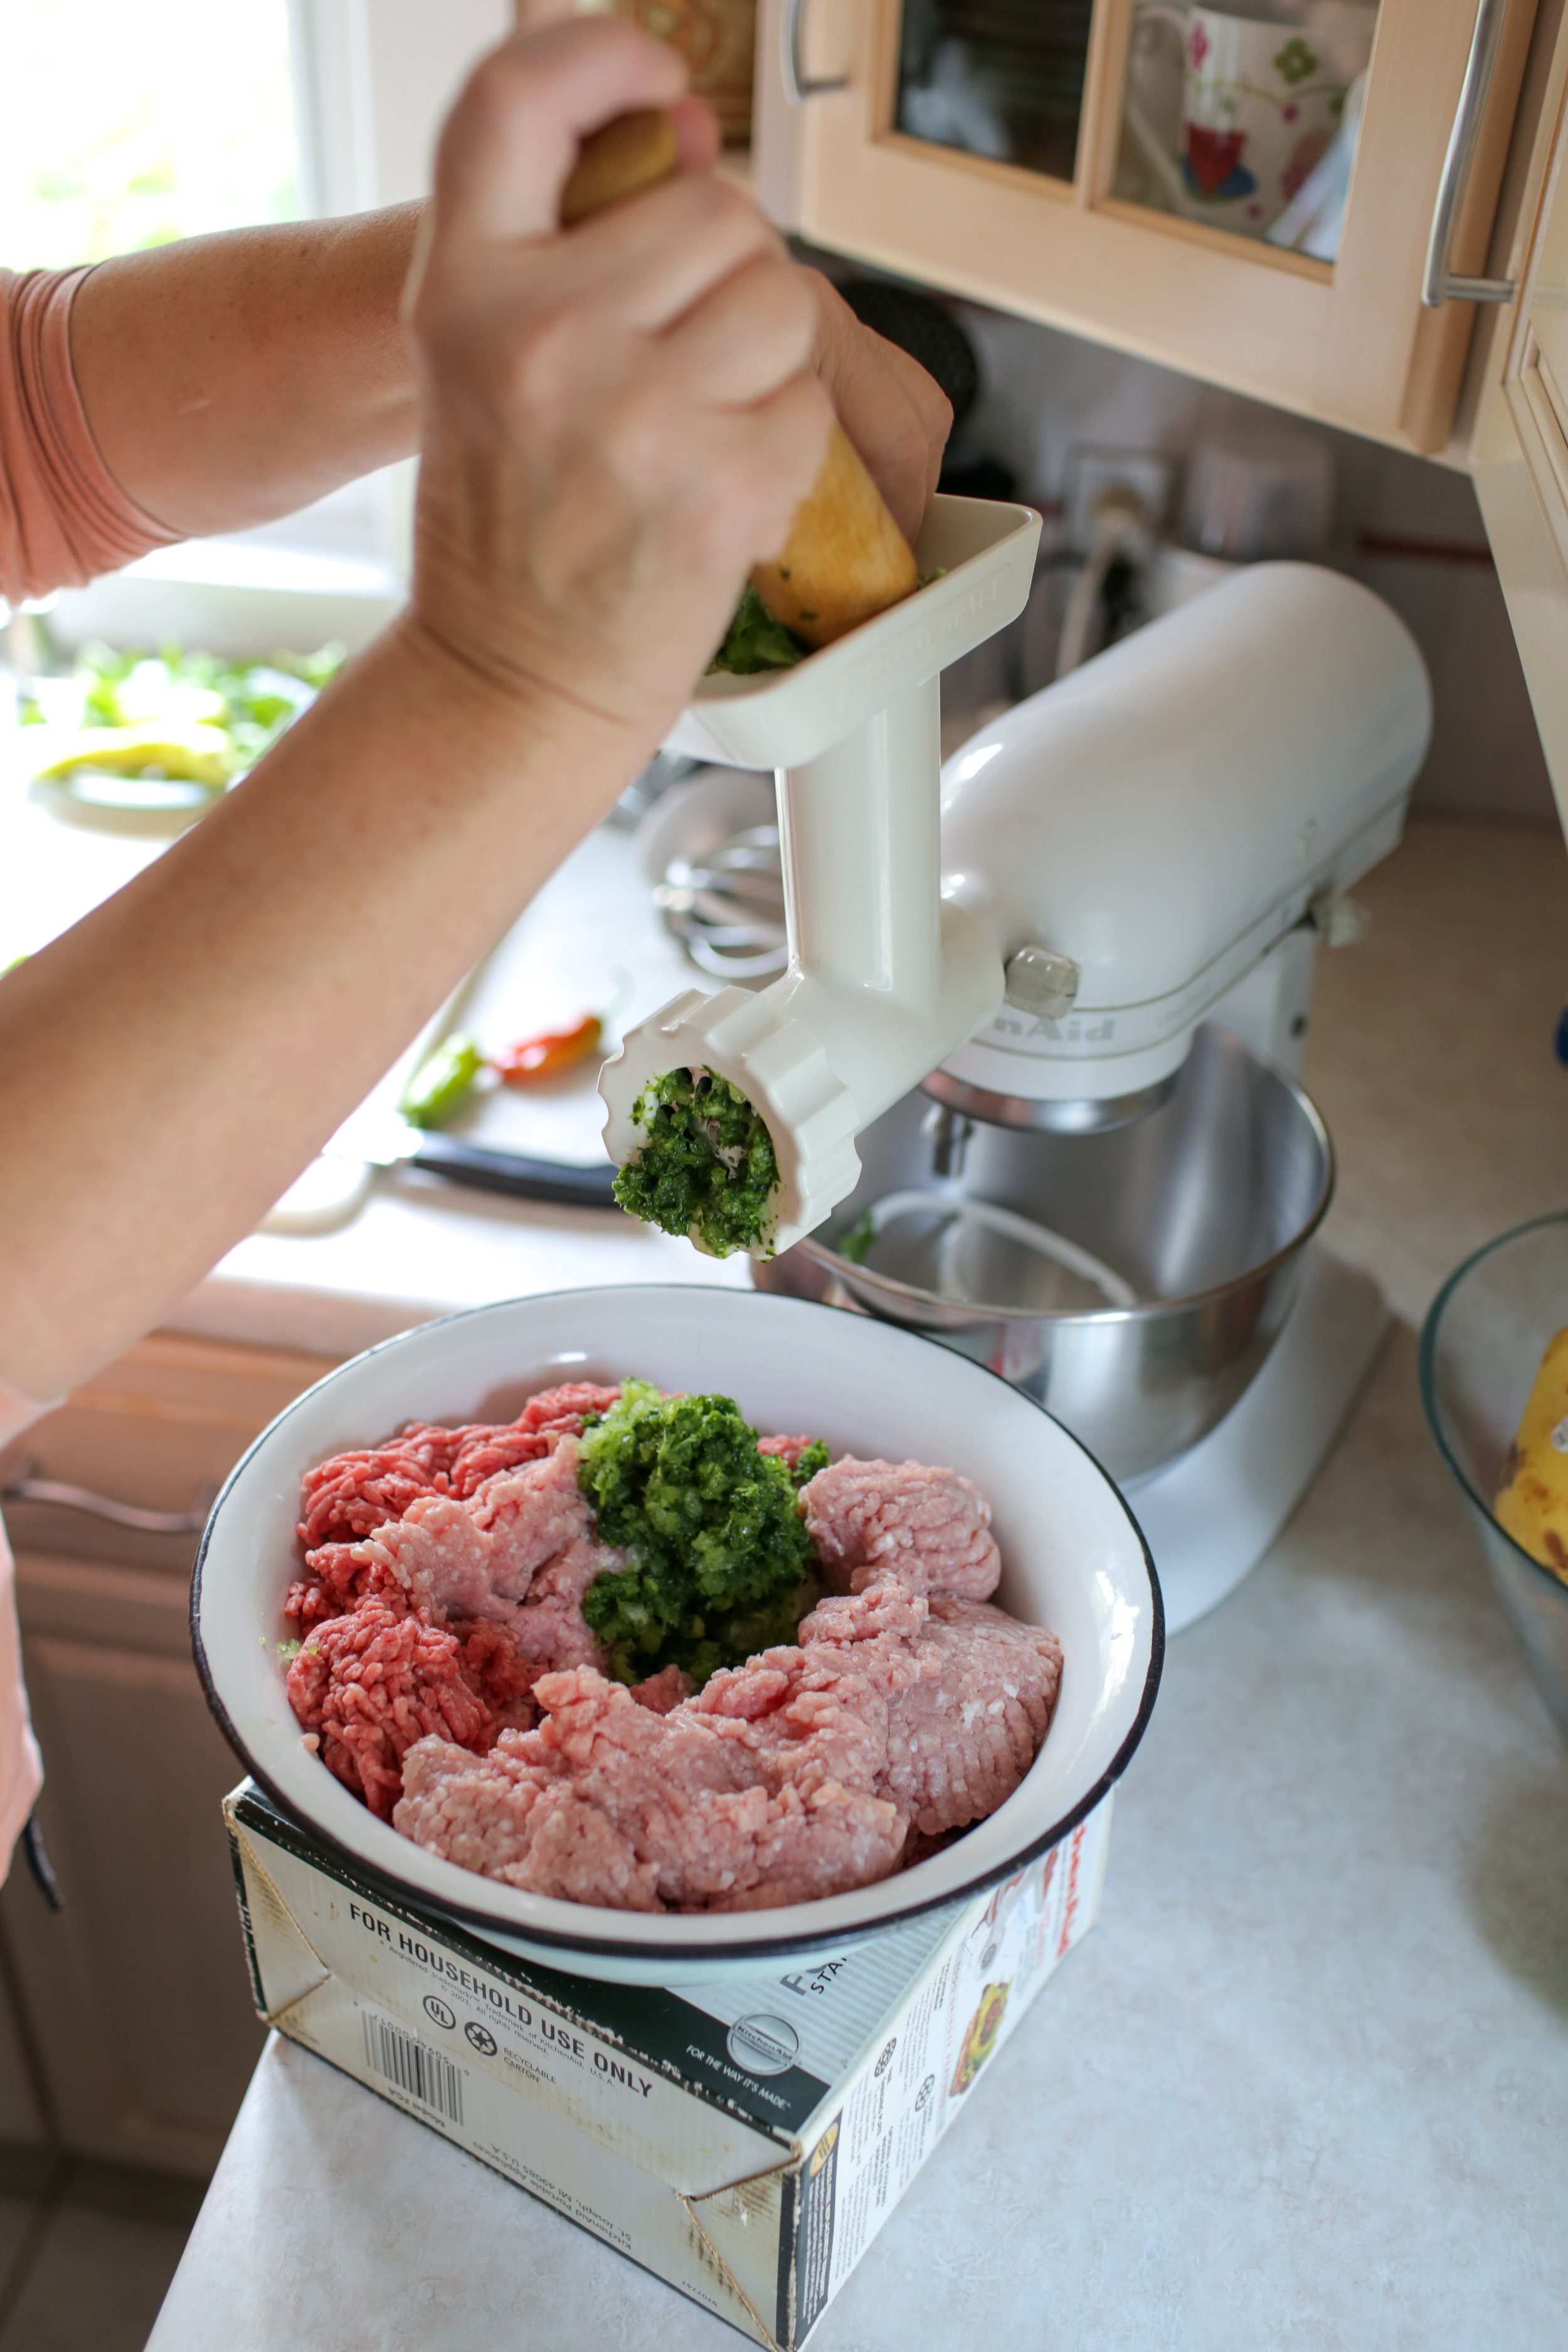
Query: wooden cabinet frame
{"type": "Point", "coordinates": [1349, 343]}
{"type": "Point", "coordinates": [1518, 439]}
{"type": "Point", "coordinates": [133, 2008]}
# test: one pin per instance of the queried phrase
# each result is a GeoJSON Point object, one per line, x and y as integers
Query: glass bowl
{"type": "Point", "coordinates": [1481, 1347]}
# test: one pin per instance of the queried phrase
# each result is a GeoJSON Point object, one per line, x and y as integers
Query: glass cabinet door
{"type": "Point", "coordinates": [1002, 79]}
{"type": "Point", "coordinates": [1260, 192]}
{"type": "Point", "coordinates": [1246, 117]}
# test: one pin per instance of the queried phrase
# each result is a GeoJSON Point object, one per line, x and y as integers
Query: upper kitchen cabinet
{"type": "Point", "coordinates": [1248, 194]}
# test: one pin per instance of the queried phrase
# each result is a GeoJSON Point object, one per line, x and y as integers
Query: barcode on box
{"type": "Point", "coordinates": [426, 2075]}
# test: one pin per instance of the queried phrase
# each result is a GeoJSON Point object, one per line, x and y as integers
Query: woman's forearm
{"type": "Point", "coordinates": [617, 424]}
{"type": "Point", "coordinates": [168, 1065]}
{"type": "Point", "coordinates": [230, 379]}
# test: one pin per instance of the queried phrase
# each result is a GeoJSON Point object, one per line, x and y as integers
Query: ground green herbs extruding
{"type": "Point", "coordinates": [708, 1169]}
{"type": "Point", "coordinates": [719, 1562]}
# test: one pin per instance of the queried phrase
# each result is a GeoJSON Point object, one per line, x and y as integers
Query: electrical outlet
{"type": "Point", "coordinates": [1092, 471]}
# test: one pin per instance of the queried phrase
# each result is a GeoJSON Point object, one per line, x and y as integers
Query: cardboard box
{"type": "Point", "coordinates": [745, 2139]}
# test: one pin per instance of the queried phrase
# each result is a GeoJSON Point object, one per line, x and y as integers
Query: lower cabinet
{"type": "Point", "coordinates": [133, 2036]}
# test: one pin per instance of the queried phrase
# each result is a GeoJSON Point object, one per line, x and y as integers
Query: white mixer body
{"type": "Point", "coordinates": [1166, 814]}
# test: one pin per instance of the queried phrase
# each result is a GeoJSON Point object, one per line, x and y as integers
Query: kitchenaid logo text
{"type": "Point", "coordinates": [541, 2026]}
{"type": "Point", "coordinates": [913, 654]}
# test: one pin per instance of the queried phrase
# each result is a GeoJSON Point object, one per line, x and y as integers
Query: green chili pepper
{"type": "Point", "coordinates": [441, 1082]}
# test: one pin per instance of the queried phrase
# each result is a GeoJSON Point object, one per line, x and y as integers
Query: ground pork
{"type": "Point", "coordinates": [799, 1774]}
{"type": "Point", "coordinates": [481, 1557]}
{"type": "Point", "coordinates": [519, 1551]}
{"type": "Point", "coordinates": [961, 1736]}
{"type": "Point", "coordinates": [697, 1809]}
{"type": "Point", "coordinates": [353, 1493]}
{"type": "Point", "coordinates": [928, 1528]}
{"type": "Point", "coordinates": [371, 1685]}
{"type": "Point", "coordinates": [969, 1699]}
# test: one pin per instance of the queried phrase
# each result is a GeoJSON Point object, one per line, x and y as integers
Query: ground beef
{"type": "Point", "coordinates": [501, 1672]}
{"type": "Point", "coordinates": [788, 1449]}
{"type": "Point", "coordinates": [928, 1528]}
{"type": "Point", "coordinates": [353, 1494]}
{"type": "Point", "coordinates": [371, 1685]}
{"type": "Point", "coordinates": [487, 1593]}
{"type": "Point", "coordinates": [802, 1773]}
{"type": "Point", "coordinates": [665, 1690]}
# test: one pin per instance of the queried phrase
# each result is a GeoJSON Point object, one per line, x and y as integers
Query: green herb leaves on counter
{"type": "Point", "coordinates": [719, 1560]}
{"type": "Point", "coordinates": [708, 1169]}
{"type": "Point", "coordinates": [193, 715]}
{"type": "Point", "coordinates": [441, 1082]}
{"type": "Point", "coordinates": [755, 641]}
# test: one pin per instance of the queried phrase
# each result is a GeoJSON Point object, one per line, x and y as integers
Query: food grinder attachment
{"type": "Point", "coordinates": [1111, 858]}
{"type": "Point", "coordinates": [883, 979]}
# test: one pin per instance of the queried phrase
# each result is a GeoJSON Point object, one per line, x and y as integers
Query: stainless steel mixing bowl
{"type": "Point", "coordinates": [1203, 1208]}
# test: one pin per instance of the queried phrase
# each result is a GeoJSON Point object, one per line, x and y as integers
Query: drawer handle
{"type": "Point", "coordinates": [29, 1489]}
{"type": "Point", "coordinates": [797, 83]}
{"type": "Point", "coordinates": [1440, 285]}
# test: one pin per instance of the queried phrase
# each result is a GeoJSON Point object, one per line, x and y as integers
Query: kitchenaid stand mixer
{"type": "Point", "coordinates": [1157, 841]}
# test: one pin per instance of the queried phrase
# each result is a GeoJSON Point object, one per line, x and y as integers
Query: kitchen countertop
{"type": "Point", "coordinates": [419, 1246]}
{"type": "Point", "coordinates": [1304, 2083]}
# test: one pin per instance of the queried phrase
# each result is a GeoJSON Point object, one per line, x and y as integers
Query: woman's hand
{"type": "Point", "coordinates": [617, 423]}
{"type": "Point", "coordinates": [619, 419]}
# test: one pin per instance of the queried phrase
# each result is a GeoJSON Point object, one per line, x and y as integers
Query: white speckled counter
{"type": "Point", "coordinates": [1306, 2083]}
{"type": "Point", "coordinates": [421, 1248]}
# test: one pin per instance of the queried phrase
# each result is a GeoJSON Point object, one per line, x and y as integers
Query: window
{"type": "Point", "coordinates": [130, 127]}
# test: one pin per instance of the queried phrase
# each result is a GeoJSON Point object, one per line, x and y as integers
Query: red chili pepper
{"type": "Point", "coordinates": [552, 1051]}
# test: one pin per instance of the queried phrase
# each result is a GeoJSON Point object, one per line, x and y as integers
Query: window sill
{"type": "Point", "coordinates": [233, 596]}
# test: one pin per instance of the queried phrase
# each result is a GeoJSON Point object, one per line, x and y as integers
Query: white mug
{"type": "Point", "coordinates": [1261, 103]}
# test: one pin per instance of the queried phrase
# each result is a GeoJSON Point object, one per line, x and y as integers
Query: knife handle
{"type": "Point", "coordinates": [506, 1171]}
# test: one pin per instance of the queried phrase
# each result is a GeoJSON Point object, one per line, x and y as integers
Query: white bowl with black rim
{"type": "Point", "coordinates": [1073, 1559]}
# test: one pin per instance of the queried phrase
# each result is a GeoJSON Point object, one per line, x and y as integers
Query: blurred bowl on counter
{"type": "Point", "coordinates": [1481, 1347]}
{"type": "Point", "coordinates": [1132, 1281]}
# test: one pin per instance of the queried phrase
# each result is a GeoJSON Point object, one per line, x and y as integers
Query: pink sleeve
{"type": "Point", "coordinates": [21, 1771]}
{"type": "Point", "coordinates": [63, 516]}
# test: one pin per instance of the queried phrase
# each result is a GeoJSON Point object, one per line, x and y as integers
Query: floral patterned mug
{"type": "Point", "coordinates": [1262, 100]}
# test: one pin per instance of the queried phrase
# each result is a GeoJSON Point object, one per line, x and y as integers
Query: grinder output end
{"type": "Point", "coordinates": [773, 1066]}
